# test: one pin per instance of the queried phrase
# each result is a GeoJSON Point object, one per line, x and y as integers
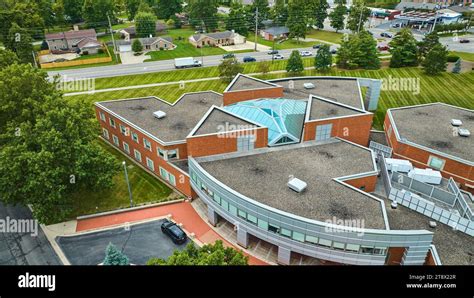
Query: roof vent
{"type": "Point", "coordinates": [159, 114]}
{"type": "Point", "coordinates": [464, 132]}
{"type": "Point", "coordinates": [456, 122]}
{"type": "Point", "coordinates": [433, 224]}
{"type": "Point", "coordinates": [296, 184]}
{"type": "Point", "coordinates": [394, 204]}
{"type": "Point", "coordinates": [308, 86]}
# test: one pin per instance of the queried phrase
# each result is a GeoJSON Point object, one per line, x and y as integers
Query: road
{"type": "Point", "coordinates": [157, 66]}
{"type": "Point", "coordinates": [22, 248]}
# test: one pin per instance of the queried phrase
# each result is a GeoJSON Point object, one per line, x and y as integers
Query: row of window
{"type": "Point", "coordinates": [265, 225]}
{"type": "Point", "coordinates": [138, 156]}
{"type": "Point", "coordinates": [165, 154]}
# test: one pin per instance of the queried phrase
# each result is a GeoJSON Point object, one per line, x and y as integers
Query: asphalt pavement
{"type": "Point", "coordinates": [23, 248]}
{"type": "Point", "coordinates": [138, 242]}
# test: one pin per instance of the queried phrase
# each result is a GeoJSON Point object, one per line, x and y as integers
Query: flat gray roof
{"type": "Point", "coordinates": [263, 175]}
{"type": "Point", "coordinates": [220, 121]}
{"type": "Point", "coordinates": [430, 126]}
{"type": "Point", "coordinates": [179, 121]}
{"type": "Point", "coordinates": [454, 247]}
{"type": "Point", "coordinates": [322, 109]}
{"type": "Point", "coordinates": [243, 82]}
{"type": "Point", "coordinates": [341, 90]}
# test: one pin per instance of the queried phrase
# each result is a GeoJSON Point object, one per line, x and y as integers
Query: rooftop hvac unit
{"type": "Point", "coordinates": [159, 114]}
{"type": "Point", "coordinates": [308, 85]}
{"type": "Point", "coordinates": [456, 122]}
{"type": "Point", "coordinates": [464, 132]}
{"type": "Point", "coordinates": [296, 184]}
{"type": "Point", "coordinates": [394, 204]}
{"type": "Point", "coordinates": [398, 165]}
{"type": "Point", "coordinates": [426, 175]}
{"type": "Point", "coordinates": [433, 224]}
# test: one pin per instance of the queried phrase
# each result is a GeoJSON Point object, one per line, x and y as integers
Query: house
{"type": "Point", "coordinates": [131, 32]}
{"type": "Point", "coordinates": [225, 38]}
{"type": "Point", "coordinates": [157, 43]}
{"type": "Point", "coordinates": [74, 41]}
{"type": "Point", "coordinates": [275, 32]}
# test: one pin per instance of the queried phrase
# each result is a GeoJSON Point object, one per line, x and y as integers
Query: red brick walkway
{"type": "Point", "coordinates": [181, 212]}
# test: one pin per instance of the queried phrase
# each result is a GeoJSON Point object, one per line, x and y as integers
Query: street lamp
{"type": "Point", "coordinates": [128, 183]}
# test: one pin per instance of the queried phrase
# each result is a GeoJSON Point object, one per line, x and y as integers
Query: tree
{"type": "Point", "coordinates": [145, 7]}
{"type": "Point", "coordinates": [203, 13]}
{"type": "Point", "coordinates": [48, 149]}
{"type": "Point", "coordinates": [404, 49]}
{"type": "Point", "coordinates": [228, 69]}
{"type": "Point", "coordinates": [323, 59]}
{"type": "Point", "coordinates": [336, 17]}
{"type": "Point", "coordinates": [457, 66]}
{"type": "Point", "coordinates": [263, 13]}
{"type": "Point", "coordinates": [236, 19]}
{"type": "Point", "coordinates": [296, 22]}
{"type": "Point", "coordinates": [295, 63]}
{"type": "Point", "coordinates": [114, 257]}
{"type": "Point", "coordinates": [145, 24]}
{"type": "Point", "coordinates": [20, 42]}
{"type": "Point", "coordinates": [73, 10]}
{"type": "Point", "coordinates": [25, 14]}
{"type": "Point", "coordinates": [279, 13]}
{"type": "Point", "coordinates": [429, 41]}
{"type": "Point", "coordinates": [7, 58]}
{"type": "Point", "coordinates": [358, 51]}
{"type": "Point", "coordinates": [358, 15]}
{"type": "Point", "coordinates": [168, 8]}
{"type": "Point", "coordinates": [436, 60]}
{"type": "Point", "coordinates": [320, 13]}
{"type": "Point", "coordinates": [137, 46]}
{"type": "Point", "coordinates": [208, 255]}
{"type": "Point", "coordinates": [263, 67]}
{"type": "Point", "coordinates": [131, 7]}
{"type": "Point", "coordinates": [95, 12]}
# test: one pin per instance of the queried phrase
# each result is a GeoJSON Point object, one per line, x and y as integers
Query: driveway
{"type": "Point", "coordinates": [130, 58]}
{"type": "Point", "coordinates": [138, 242]}
{"type": "Point", "coordinates": [23, 248]}
{"type": "Point", "coordinates": [245, 46]}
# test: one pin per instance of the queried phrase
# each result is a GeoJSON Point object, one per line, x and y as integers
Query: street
{"type": "Point", "coordinates": [22, 248]}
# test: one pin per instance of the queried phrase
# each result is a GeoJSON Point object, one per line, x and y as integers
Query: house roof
{"type": "Point", "coordinates": [158, 27]}
{"type": "Point", "coordinates": [219, 121]}
{"type": "Point", "coordinates": [88, 33]}
{"type": "Point", "coordinates": [88, 43]}
{"type": "Point", "coordinates": [215, 35]}
{"type": "Point", "coordinates": [324, 108]}
{"type": "Point", "coordinates": [277, 30]}
{"type": "Point", "coordinates": [152, 40]}
{"type": "Point", "coordinates": [430, 126]}
{"type": "Point", "coordinates": [244, 82]}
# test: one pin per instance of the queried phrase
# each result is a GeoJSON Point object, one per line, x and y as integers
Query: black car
{"type": "Point", "coordinates": [249, 59]}
{"type": "Point", "coordinates": [176, 234]}
{"type": "Point", "coordinates": [272, 52]}
{"type": "Point", "coordinates": [385, 34]}
{"type": "Point", "coordinates": [227, 56]}
{"type": "Point", "coordinates": [463, 40]}
{"type": "Point", "coordinates": [317, 46]}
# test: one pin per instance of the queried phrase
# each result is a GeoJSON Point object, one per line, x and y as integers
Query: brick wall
{"type": "Point", "coordinates": [366, 184]}
{"type": "Point", "coordinates": [355, 129]}
{"type": "Point", "coordinates": [237, 96]}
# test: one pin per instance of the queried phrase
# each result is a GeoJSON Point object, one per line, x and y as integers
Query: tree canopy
{"type": "Point", "coordinates": [145, 23]}
{"type": "Point", "coordinates": [228, 69]}
{"type": "Point", "coordinates": [295, 63]}
{"type": "Point", "coordinates": [404, 49]}
{"type": "Point", "coordinates": [114, 257]}
{"type": "Point", "coordinates": [323, 59]}
{"type": "Point", "coordinates": [436, 60]}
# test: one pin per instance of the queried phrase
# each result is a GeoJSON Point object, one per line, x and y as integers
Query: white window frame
{"type": "Point", "coordinates": [102, 116]}
{"type": "Point", "coordinates": [323, 132]}
{"type": "Point", "coordinates": [150, 164]}
{"type": "Point", "coordinates": [168, 154]}
{"type": "Point", "coordinates": [112, 123]}
{"type": "Point", "coordinates": [115, 140]}
{"type": "Point", "coordinates": [135, 138]}
{"type": "Point", "coordinates": [147, 144]}
{"type": "Point", "coordinates": [105, 133]}
{"type": "Point", "coordinates": [126, 148]}
{"type": "Point", "coordinates": [167, 176]}
{"type": "Point", "coordinates": [431, 158]}
{"type": "Point", "coordinates": [137, 153]}
{"type": "Point", "coordinates": [123, 130]}
{"type": "Point", "coordinates": [161, 153]}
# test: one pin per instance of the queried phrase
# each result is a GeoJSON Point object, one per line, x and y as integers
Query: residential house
{"type": "Point", "coordinates": [74, 41]}
{"type": "Point", "coordinates": [131, 32]}
{"type": "Point", "coordinates": [225, 38]}
{"type": "Point", "coordinates": [157, 43]}
{"type": "Point", "coordinates": [275, 33]}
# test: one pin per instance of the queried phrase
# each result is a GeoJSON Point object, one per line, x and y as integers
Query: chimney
{"type": "Point", "coordinates": [76, 28]}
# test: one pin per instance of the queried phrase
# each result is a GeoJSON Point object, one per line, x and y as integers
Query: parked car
{"type": "Point", "coordinates": [177, 235]}
{"type": "Point", "coordinates": [463, 40]}
{"type": "Point", "coordinates": [249, 59]}
{"type": "Point", "coordinates": [396, 25]}
{"type": "Point", "coordinates": [278, 57]}
{"type": "Point", "coordinates": [306, 53]}
{"type": "Point", "coordinates": [229, 55]}
{"type": "Point", "coordinates": [272, 52]}
{"type": "Point", "coordinates": [383, 47]}
{"type": "Point", "coordinates": [317, 46]}
{"type": "Point", "coordinates": [385, 34]}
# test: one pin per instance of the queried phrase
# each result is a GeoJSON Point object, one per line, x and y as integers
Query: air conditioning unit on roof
{"type": "Point", "coordinates": [456, 122]}
{"type": "Point", "coordinates": [297, 184]}
{"type": "Point", "coordinates": [159, 114]}
{"type": "Point", "coordinates": [464, 132]}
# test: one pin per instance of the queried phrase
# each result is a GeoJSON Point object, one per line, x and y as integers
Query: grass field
{"type": "Point", "coordinates": [456, 89]}
{"type": "Point", "coordinates": [145, 189]}
{"type": "Point", "coordinates": [464, 55]}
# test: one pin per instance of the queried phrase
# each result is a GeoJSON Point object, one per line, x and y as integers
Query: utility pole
{"type": "Point", "coordinates": [256, 27]}
{"type": "Point", "coordinates": [202, 54]}
{"type": "Point", "coordinates": [113, 39]}
{"type": "Point", "coordinates": [128, 183]}
{"type": "Point", "coordinates": [434, 24]}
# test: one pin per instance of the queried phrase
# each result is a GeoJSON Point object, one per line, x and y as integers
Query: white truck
{"type": "Point", "coordinates": [426, 175]}
{"type": "Point", "coordinates": [186, 62]}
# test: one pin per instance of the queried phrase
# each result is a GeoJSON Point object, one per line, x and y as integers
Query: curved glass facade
{"type": "Point", "coordinates": [284, 118]}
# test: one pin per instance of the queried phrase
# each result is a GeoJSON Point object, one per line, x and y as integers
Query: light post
{"type": "Point", "coordinates": [128, 183]}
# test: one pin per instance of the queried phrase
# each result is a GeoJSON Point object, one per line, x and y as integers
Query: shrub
{"type": "Point", "coordinates": [453, 58]}
{"type": "Point", "coordinates": [85, 53]}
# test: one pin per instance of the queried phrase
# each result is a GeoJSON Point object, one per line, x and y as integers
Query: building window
{"type": "Point", "coordinates": [171, 179]}
{"type": "Point", "coordinates": [436, 163]}
{"type": "Point", "coordinates": [116, 140]}
{"type": "Point", "coordinates": [138, 155]}
{"type": "Point", "coordinates": [285, 232]}
{"type": "Point", "coordinates": [252, 218]}
{"type": "Point", "coordinates": [147, 144]}
{"type": "Point", "coordinates": [225, 205]}
{"type": "Point", "coordinates": [324, 242]}
{"type": "Point", "coordinates": [172, 154]}
{"type": "Point", "coordinates": [135, 137]}
{"type": "Point", "coordinates": [298, 236]}
{"type": "Point", "coordinates": [102, 116]}
{"type": "Point", "coordinates": [217, 199]}
{"type": "Point", "coordinates": [194, 177]}
{"type": "Point", "coordinates": [245, 143]}
{"type": "Point", "coordinates": [150, 164]}
{"type": "Point", "coordinates": [274, 229]}
{"type": "Point", "coordinates": [112, 122]}
{"type": "Point", "coordinates": [233, 210]}
{"type": "Point", "coordinates": [126, 148]}
{"type": "Point", "coordinates": [389, 131]}
{"type": "Point", "coordinates": [379, 250]}
{"type": "Point", "coordinates": [262, 224]}
{"type": "Point", "coordinates": [366, 250]}
{"type": "Point", "coordinates": [242, 214]}
{"type": "Point", "coordinates": [123, 130]}
{"type": "Point", "coordinates": [338, 245]}
{"type": "Point", "coordinates": [323, 132]}
{"type": "Point", "coordinates": [352, 247]}
{"type": "Point", "coordinates": [161, 152]}
{"type": "Point", "coordinates": [105, 133]}
{"type": "Point", "coordinates": [311, 239]}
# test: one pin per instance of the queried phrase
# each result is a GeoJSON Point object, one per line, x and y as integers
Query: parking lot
{"type": "Point", "coordinates": [138, 242]}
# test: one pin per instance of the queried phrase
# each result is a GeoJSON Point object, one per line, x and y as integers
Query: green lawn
{"type": "Point", "coordinates": [456, 89]}
{"type": "Point", "coordinates": [329, 36]}
{"type": "Point", "coordinates": [145, 189]}
{"type": "Point", "coordinates": [464, 55]}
